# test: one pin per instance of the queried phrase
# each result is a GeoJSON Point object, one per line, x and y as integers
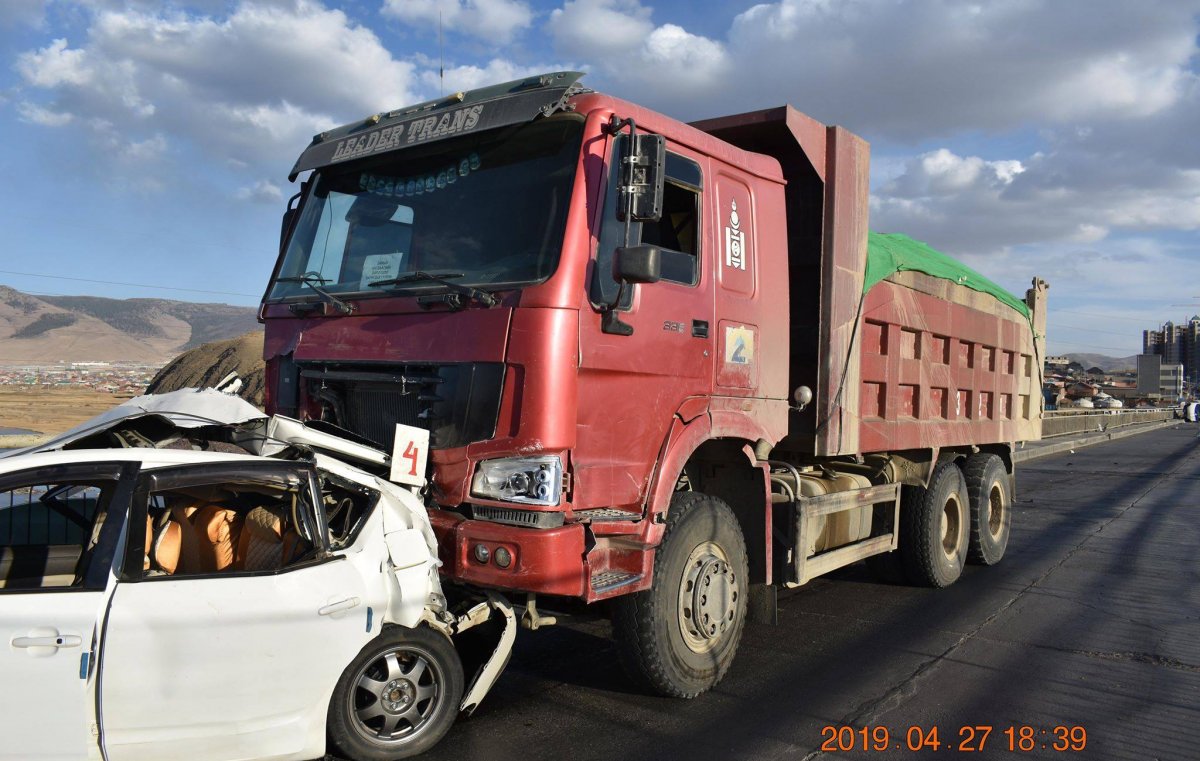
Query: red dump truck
{"type": "Point", "coordinates": [660, 364]}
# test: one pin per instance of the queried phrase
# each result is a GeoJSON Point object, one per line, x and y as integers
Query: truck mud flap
{"type": "Point", "coordinates": [484, 639]}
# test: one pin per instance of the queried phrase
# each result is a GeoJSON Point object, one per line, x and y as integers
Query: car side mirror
{"type": "Point", "coordinates": [638, 264]}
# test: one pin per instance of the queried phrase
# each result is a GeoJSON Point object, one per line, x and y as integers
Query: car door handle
{"type": "Point", "coordinates": [61, 640]}
{"type": "Point", "coordinates": [338, 607]}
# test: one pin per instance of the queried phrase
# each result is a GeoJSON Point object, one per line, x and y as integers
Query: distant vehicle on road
{"type": "Point", "coordinates": [1190, 411]}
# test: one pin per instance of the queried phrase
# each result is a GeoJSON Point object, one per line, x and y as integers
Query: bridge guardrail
{"type": "Point", "coordinates": [1067, 422]}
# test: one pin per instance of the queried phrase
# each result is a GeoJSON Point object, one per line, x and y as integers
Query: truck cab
{"type": "Point", "coordinates": [462, 279]}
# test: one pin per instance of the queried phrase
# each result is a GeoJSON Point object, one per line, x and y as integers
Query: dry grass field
{"type": "Point", "coordinates": [51, 410]}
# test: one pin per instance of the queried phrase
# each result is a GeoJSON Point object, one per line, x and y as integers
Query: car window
{"type": "Point", "coordinates": [347, 506]}
{"type": "Point", "coordinates": [227, 525]}
{"type": "Point", "coordinates": [48, 529]}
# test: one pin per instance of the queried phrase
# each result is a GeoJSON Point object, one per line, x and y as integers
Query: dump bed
{"type": "Point", "coordinates": [924, 354]}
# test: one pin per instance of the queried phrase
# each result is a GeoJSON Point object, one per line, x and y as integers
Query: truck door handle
{"type": "Point", "coordinates": [338, 607]}
{"type": "Point", "coordinates": [61, 640]}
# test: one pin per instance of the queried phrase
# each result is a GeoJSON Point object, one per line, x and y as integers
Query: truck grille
{"type": "Point", "coordinates": [456, 403]}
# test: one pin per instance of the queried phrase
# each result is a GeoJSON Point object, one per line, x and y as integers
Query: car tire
{"type": "Point", "coordinates": [934, 528]}
{"type": "Point", "coordinates": [989, 489]}
{"type": "Point", "coordinates": [679, 637]}
{"type": "Point", "coordinates": [398, 697]}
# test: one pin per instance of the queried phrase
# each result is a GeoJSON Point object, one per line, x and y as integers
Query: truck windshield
{"type": "Point", "coordinates": [486, 210]}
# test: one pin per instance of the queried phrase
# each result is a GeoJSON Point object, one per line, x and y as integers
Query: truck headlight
{"type": "Point", "coordinates": [531, 480]}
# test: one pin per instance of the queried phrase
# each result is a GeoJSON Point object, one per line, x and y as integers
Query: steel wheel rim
{"type": "Point", "coordinates": [951, 528]}
{"type": "Point", "coordinates": [995, 511]}
{"type": "Point", "coordinates": [708, 597]}
{"type": "Point", "coordinates": [396, 694]}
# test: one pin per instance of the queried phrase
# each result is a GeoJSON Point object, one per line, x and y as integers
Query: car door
{"type": "Point", "coordinates": [59, 529]}
{"type": "Point", "coordinates": [209, 662]}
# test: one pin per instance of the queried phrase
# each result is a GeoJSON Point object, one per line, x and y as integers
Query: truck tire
{"type": "Point", "coordinates": [398, 697]}
{"type": "Point", "coordinates": [678, 637]}
{"type": "Point", "coordinates": [989, 489]}
{"type": "Point", "coordinates": [935, 528]}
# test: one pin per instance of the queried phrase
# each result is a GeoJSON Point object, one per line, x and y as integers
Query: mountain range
{"type": "Point", "coordinates": [1104, 362]}
{"type": "Point", "coordinates": [58, 329]}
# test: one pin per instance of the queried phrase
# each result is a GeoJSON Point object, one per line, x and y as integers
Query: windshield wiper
{"type": "Point", "coordinates": [475, 294]}
{"type": "Point", "coordinates": [315, 281]}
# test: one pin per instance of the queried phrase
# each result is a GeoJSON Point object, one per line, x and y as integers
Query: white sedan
{"type": "Point", "coordinates": [167, 591]}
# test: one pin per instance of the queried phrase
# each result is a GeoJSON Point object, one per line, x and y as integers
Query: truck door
{"type": "Point", "coordinates": [631, 386]}
{"type": "Point", "coordinates": [230, 643]}
{"type": "Point", "coordinates": [59, 527]}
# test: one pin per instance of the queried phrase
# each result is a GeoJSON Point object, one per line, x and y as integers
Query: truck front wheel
{"type": "Point", "coordinates": [935, 524]}
{"type": "Point", "coordinates": [990, 492]}
{"type": "Point", "coordinates": [678, 637]}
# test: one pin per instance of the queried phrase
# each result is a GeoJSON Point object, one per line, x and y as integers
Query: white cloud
{"type": "Point", "coordinates": [262, 191]}
{"type": "Point", "coordinates": [684, 57]}
{"type": "Point", "coordinates": [901, 69]}
{"type": "Point", "coordinates": [599, 29]}
{"type": "Point", "coordinates": [248, 88]}
{"type": "Point", "coordinates": [618, 38]}
{"type": "Point", "coordinates": [55, 65]}
{"type": "Point", "coordinates": [968, 205]}
{"type": "Point", "coordinates": [35, 114]}
{"type": "Point", "coordinates": [494, 72]}
{"type": "Point", "coordinates": [493, 20]}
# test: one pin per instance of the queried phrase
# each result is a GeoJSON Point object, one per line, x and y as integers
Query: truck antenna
{"type": "Point", "coordinates": [441, 66]}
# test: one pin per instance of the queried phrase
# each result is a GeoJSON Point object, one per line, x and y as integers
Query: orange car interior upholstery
{"type": "Point", "coordinates": [217, 530]}
{"type": "Point", "coordinates": [210, 538]}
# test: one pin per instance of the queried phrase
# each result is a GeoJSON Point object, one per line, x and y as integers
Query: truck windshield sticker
{"type": "Point", "coordinates": [378, 267]}
{"type": "Point", "coordinates": [739, 346]}
{"type": "Point", "coordinates": [399, 187]}
{"type": "Point", "coordinates": [735, 241]}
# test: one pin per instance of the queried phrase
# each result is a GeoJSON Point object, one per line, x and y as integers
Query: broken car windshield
{"type": "Point", "coordinates": [491, 206]}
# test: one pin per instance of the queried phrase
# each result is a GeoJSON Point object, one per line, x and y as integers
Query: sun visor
{"type": "Point", "coordinates": [460, 114]}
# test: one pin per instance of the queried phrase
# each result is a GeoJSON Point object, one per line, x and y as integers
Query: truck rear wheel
{"type": "Point", "coordinates": [678, 637]}
{"type": "Point", "coordinates": [990, 493]}
{"type": "Point", "coordinates": [935, 526]}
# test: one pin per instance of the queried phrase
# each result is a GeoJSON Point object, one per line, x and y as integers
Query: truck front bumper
{"type": "Point", "coordinates": [545, 561]}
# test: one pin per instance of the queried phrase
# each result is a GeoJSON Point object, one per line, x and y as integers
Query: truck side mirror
{"type": "Point", "coordinates": [643, 159]}
{"type": "Point", "coordinates": [289, 216]}
{"type": "Point", "coordinates": [638, 264]}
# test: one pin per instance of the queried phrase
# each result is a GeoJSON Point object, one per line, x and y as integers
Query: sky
{"type": "Point", "coordinates": [148, 144]}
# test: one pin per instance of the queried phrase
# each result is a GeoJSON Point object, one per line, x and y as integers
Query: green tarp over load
{"type": "Point", "coordinates": [890, 253]}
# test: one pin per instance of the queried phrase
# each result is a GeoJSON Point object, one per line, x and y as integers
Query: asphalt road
{"type": "Point", "coordinates": [1092, 620]}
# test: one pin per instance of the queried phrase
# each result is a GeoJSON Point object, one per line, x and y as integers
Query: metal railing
{"type": "Point", "coordinates": [1080, 421]}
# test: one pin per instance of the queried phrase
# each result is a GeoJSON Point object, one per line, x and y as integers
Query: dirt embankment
{"type": "Point", "coordinates": [206, 366]}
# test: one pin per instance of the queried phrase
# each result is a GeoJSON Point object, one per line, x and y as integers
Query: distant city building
{"type": "Point", "coordinates": [1155, 376]}
{"type": "Point", "coordinates": [1149, 366]}
{"type": "Point", "coordinates": [1177, 345]}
